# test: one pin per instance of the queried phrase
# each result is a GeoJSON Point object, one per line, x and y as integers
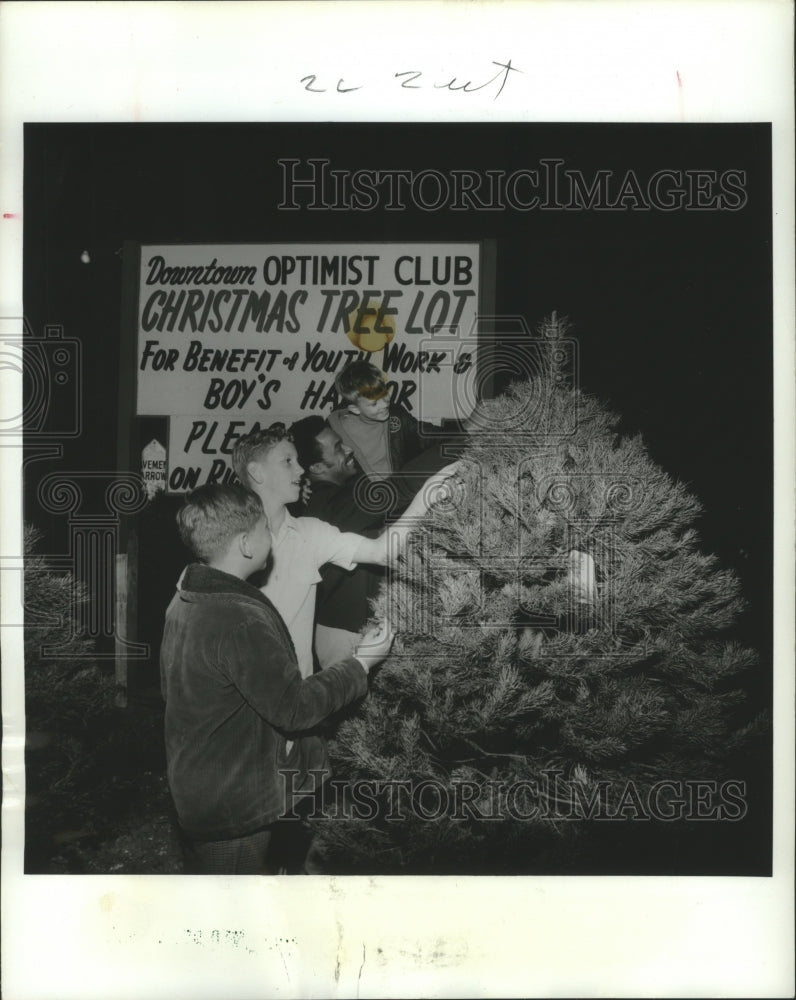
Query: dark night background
{"type": "Point", "coordinates": [673, 311]}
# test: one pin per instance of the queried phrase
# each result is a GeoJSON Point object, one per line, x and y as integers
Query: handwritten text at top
{"type": "Point", "coordinates": [414, 79]}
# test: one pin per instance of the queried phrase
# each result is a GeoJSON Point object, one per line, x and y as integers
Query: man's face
{"type": "Point", "coordinates": [260, 544]}
{"type": "Point", "coordinates": [276, 475]}
{"type": "Point", "coordinates": [337, 464]}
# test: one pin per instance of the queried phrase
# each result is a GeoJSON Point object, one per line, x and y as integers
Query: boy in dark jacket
{"type": "Point", "coordinates": [238, 713]}
{"type": "Point", "coordinates": [382, 436]}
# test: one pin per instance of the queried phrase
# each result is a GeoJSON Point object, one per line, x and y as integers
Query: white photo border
{"type": "Point", "coordinates": [125, 936]}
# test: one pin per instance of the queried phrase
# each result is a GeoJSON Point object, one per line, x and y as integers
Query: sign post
{"type": "Point", "coordinates": [153, 467]}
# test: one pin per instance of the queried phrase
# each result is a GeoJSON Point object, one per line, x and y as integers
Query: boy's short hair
{"type": "Point", "coordinates": [361, 378]}
{"type": "Point", "coordinates": [214, 514]}
{"type": "Point", "coordinates": [305, 437]}
{"type": "Point", "coordinates": [249, 448]}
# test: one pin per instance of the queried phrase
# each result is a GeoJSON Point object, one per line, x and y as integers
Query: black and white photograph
{"type": "Point", "coordinates": [396, 498]}
{"type": "Point", "coordinates": [581, 669]}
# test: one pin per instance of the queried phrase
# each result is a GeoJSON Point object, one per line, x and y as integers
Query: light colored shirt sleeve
{"type": "Point", "coordinates": [331, 545]}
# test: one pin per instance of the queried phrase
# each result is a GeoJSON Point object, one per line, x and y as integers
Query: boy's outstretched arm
{"type": "Point", "coordinates": [436, 488]}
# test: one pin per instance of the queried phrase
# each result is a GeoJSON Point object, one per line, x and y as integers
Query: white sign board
{"type": "Point", "coordinates": [200, 449]}
{"type": "Point", "coordinates": [263, 329]}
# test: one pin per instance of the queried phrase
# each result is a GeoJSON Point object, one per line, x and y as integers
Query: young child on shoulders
{"type": "Point", "coordinates": [239, 714]}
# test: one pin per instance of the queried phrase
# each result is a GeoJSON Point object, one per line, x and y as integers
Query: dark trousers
{"type": "Point", "coordinates": [277, 849]}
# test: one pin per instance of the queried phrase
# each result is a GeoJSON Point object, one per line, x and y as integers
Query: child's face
{"type": "Point", "coordinates": [259, 544]}
{"type": "Point", "coordinates": [372, 409]}
{"type": "Point", "coordinates": [276, 475]}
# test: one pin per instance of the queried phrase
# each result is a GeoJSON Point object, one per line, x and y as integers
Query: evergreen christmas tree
{"type": "Point", "coordinates": [68, 700]}
{"type": "Point", "coordinates": [62, 684]}
{"type": "Point", "coordinates": [563, 678]}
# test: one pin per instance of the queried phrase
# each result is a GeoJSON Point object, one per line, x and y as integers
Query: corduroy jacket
{"type": "Point", "coordinates": [235, 702]}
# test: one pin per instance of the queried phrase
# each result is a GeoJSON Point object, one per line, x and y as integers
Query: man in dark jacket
{"type": "Point", "coordinates": [342, 607]}
{"type": "Point", "coordinates": [239, 716]}
{"type": "Point", "coordinates": [342, 495]}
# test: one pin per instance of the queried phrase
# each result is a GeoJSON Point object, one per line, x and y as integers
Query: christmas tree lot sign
{"type": "Point", "coordinates": [564, 684]}
{"type": "Point", "coordinates": [235, 337]}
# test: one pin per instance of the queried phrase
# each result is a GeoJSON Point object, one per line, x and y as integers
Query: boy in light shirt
{"type": "Point", "coordinates": [266, 462]}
